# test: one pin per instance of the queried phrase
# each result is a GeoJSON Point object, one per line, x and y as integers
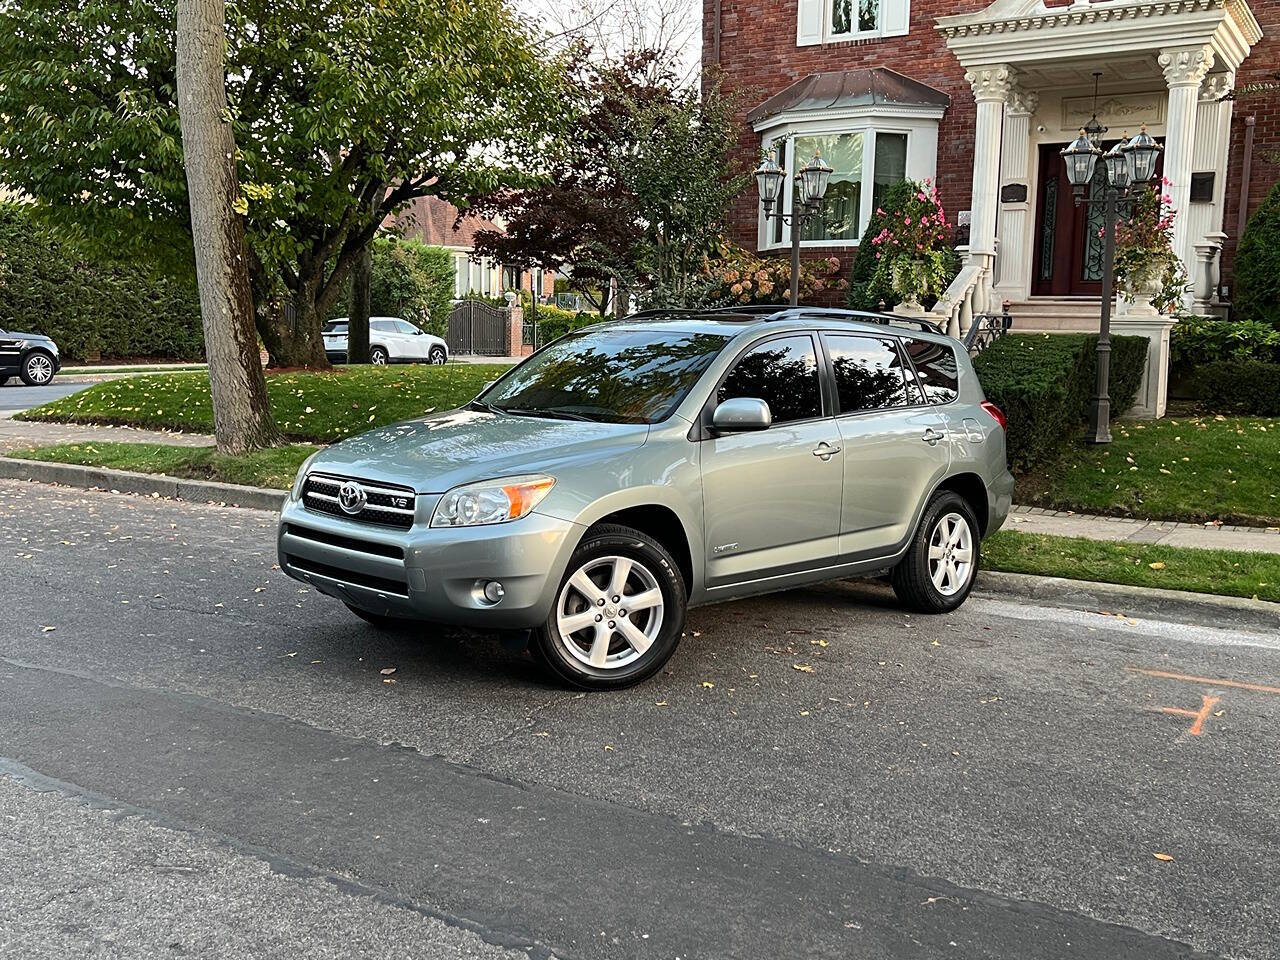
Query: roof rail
{"type": "Point", "coordinates": [780, 311]}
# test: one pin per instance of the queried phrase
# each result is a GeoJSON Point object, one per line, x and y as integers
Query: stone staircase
{"type": "Point", "coordinates": [1056, 315]}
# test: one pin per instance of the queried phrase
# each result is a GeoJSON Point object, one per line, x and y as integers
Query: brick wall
{"type": "Point", "coordinates": [1262, 67]}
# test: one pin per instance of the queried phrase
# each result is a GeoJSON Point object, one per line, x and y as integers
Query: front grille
{"type": "Point", "coordinates": [347, 543]}
{"type": "Point", "coordinates": [382, 584]}
{"type": "Point", "coordinates": [388, 504]}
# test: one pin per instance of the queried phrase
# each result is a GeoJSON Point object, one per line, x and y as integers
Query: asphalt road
{"type": "Point", "coordinates": [16, 395]}
{"type": "Point", "coordinates": [199, 757]}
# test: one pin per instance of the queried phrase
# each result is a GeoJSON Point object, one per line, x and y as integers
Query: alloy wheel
{"type": "Point", "coordinates": [39, 369]}
{"type": "Point", "coordinates": [609, 613]}
{"type": "Point", "coordinates": [951, 554]}
{"type": "Point", "coordinates": [378, 358]}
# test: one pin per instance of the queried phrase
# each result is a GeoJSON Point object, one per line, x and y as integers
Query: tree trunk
{"type": "Point", "coordinates": [361, 303]}
{"type": "Point", "coordinates": [241, 409]}
{"type": "Point", "coordinates": [291, 333]}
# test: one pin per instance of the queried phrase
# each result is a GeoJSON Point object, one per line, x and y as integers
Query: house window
{"type": "Point", "coordinates": [859, 157]}
{"type": "Point", "coordinates": [852, 17]}
{"type": "Point", "coordinates": [830, 21]}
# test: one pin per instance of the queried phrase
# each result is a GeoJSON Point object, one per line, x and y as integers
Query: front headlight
{"type": "Point", "coordinates": [493, 501]}
{"type": "Point", "coordinates": [296, 492]}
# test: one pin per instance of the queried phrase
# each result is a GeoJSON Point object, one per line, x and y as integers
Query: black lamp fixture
{"type": "Point", "coordinates": [1094, 128]}
{"type": "Point", "coordinates": [1081, 155]}
{"type": "Point", "coordinates": [1117, 164]}
{"type": "Point", "coordinates": [1141, 153]}
{"type": "Point", "coordinates": [810, 187]}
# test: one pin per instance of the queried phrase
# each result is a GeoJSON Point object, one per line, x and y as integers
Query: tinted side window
{"type": "Point", "coordinates": [783, 373]}
{"type": "Point", "coordinates": [869, 373]}
{"type": "Point", "coordinates": [936, 371]}
{"type": "Point", "coordinates": [382, 326]}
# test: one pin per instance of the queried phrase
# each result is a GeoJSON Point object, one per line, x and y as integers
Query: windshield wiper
{"type": "Point", "coordinates": [543, 412]}
{"type": "Point", "coordinates": [481, 405]}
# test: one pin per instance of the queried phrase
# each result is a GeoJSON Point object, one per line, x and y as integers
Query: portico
{"type": "Point", "coordinates": [1169, 64]}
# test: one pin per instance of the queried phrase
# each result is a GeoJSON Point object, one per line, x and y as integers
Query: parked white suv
{"type": "Point", "coordinates": [391, 340]}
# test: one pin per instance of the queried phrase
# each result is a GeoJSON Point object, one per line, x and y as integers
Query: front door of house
{"type": "Point", "coordinates": [1068, 250]}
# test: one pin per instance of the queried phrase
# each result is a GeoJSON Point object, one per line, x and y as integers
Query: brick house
{"type": "Point", "coordinates": [981, 96]}
{"type": "Point", "coordinates": [435, 221]}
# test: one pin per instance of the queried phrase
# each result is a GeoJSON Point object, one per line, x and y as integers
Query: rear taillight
{"type": "Point", "coordinates": [996, 413]}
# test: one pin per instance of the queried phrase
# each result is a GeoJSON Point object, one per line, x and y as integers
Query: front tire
{"type": "Point", "coordinates": [618, 614]}
{"type": "Point", "coordinates": [941, 564]}
{"type": "Point", "coordinates": [37, 369]}
{"type": "Point", "coordinates": [378, 356]}
{"type": "Point", "coordinates": [437, 356]}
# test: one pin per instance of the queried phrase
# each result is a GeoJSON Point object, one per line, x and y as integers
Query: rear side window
{"type": "Point", "coordinates": [869, 373]}
{"type": "Point", "coordinates": [783, 373]}
{"type": "Point", "coordinates": [936, 371]}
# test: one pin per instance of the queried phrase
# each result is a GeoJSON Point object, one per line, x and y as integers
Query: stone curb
{"type": "Point", "coordinates": [146, 484]}
{"type": "Point", "coordinates": [1180, 606]}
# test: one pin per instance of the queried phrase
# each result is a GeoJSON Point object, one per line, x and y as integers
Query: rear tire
{"type": "Point", "coordinates": [593, 641]}
{"type": "Point", "coordinates": [380, 620]}
{"type": "Point", "coordinates": [378, 356]}
{"type": "Point", "coordinates": [941, 564]}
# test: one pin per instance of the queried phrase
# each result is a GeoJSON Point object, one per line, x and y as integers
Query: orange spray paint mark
{"type": "Point", "coordinates": [1207, 681]}
{"type": "Point", "coordinates": [1197, 715]}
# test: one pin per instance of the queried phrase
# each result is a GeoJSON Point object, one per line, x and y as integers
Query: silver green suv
{"type": "Point", "coordinates": [631, 470]}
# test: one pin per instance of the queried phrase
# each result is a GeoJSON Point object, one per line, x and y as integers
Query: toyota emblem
{"type": "Point", "coordinates": [351, 497]}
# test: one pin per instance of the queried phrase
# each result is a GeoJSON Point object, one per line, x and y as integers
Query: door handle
{"type": "Point", "coordinates": [932, 437]}
{"type": "Point", "coordinates": [825, 451]}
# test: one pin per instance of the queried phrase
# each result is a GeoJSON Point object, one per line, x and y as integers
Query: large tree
{"type": "Point", "coordinates": [241, 410]}
{"type": "Point", "coordinates": [638, 195]}
{"type": "Point", "coordinates": [342, 110]}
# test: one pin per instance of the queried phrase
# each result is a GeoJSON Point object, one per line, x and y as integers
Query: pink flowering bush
{"type": "Point", "coordinates": [906, 253]}
{"type": "Point", "coordinates": [1144, 250]}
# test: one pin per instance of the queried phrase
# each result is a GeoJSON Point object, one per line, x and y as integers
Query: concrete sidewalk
{"type": "Point", "coordinates": [23, 435]}
{"type": "Point", "coordinates": [1166, 532]}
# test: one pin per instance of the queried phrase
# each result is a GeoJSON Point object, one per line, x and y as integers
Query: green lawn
{"type": "Point", "coordinates": [308, 406]}
{"type": "Point", "coordinates": [265, 468]}
{"type": "Point", "coordinates": [1225, 572]}
{"type": "Point", "coordinates": [1180, 468]}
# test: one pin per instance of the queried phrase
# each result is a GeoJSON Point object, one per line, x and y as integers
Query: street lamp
{"type": "Point", "coordinates": [806, 202]}
{"type": "Point", "coordinates": [1128, 167]}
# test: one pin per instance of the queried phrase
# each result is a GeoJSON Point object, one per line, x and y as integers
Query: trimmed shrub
{"type": "Point", "coordinates": [411, 280]}
{"type": "Point", "coordinates": [1257, 265]}
{"type": "Point", "coordinates": [92, 307]}
{"type": "Point", "coordinates": [1231, 386]}
{"type": "Point", "coordinates": [1195, 340]}
{"type": "Point", "coordinates": [861, 296]}
{"type": "Point", "coordinates": [1044, 384]}
{"type": "Point", "coordinates": [554, 322]}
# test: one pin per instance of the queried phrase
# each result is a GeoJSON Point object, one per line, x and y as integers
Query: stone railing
{"type": "Point", "coordinates": [970, 294]}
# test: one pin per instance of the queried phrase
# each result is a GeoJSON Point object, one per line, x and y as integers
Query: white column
{"type": "Point", "coordinates": [1184, 69]}
{"type": "Point", "coordinates": [1014, 224]}
{"type": "Point", "coordinates": [991, 85]}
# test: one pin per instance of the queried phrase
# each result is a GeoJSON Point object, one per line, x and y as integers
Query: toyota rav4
{"type": "Point", "coordinates": [631, 470]}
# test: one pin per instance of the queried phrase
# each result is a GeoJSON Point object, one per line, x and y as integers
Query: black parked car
{"type": "Point", "coordinates": [31, 356]}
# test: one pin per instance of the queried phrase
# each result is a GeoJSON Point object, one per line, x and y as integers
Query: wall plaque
{"type": "Point", "coordinates": [1013, 193]}
{"type": "Point", "coordinates": [1202, 187]}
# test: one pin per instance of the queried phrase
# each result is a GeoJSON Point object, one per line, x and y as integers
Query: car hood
{"type": "Point", "coordinates": [435, 453]}
{"type": "Point", "coordinates": [18, 334]}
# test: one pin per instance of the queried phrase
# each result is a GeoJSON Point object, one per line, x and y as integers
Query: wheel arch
{"type": "Point", "coordinates": [664, 525]}
{"type": "Point", "coordinates": [971, 487]}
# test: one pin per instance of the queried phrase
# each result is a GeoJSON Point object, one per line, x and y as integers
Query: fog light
{"type": "Point", "coordinates": [494, 591]}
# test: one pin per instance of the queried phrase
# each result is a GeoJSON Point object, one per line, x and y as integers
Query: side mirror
{"type": "Point", "coordinates": [741, 414]}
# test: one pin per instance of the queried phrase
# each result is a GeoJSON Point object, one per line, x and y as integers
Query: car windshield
{"type": "Point", "coordinates": [334, 326]}
{"type": "Point", "coordinates": [615, 374]}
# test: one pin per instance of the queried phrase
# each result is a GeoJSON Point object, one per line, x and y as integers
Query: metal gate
{"type": "Point", "coordinates": [479, 328]}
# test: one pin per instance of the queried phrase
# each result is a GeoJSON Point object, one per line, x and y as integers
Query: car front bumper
{"type": "Point", "coordinates": [435, 574]}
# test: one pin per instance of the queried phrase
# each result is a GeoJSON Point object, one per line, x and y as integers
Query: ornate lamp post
{"type": "Point", "coordinates": [1129, 166]}
{"type": "Point", "coordinates": [806, 203]}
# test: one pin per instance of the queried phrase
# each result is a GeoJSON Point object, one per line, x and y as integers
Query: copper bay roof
{"type": "Point", "coordinates": [850, 88]}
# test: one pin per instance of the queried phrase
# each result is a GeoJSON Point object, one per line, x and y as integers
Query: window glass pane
{"type": "Point", "coordinates": [891, 164]}
{"type": "Point", "coordinates": [935, 369]}
{"type": "Point", "coordinates": [783, 373]}
{"type": "Point", "coordinates": [868, 15]}
{"type": "Point", "coordinates": [869, 373]}
{"type": "Point", "coordinates": [841, 16]}
{"type": "Point", "coordinates": [842, 203]}
{"type": "Point", "coordinates": [404, 326]}
{"type": "Point", "coordinates": [614, 374]}
{"type": "Point", "coordinates": [382, 326]}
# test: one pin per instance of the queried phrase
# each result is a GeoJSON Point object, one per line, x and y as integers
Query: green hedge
{"type": "Point", "coordinates": [91, 307]}
{"type": "Point", "coordinates": [1044, 384]}
{"type": "Point", "coordinates": [1232, 386]}
{"type": "Point", "coordinates": [1195, 340]}
{"type": "Point", "coordinates": [1256, 294]}
{"type": "Point", "coordinates": [554, 322]}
